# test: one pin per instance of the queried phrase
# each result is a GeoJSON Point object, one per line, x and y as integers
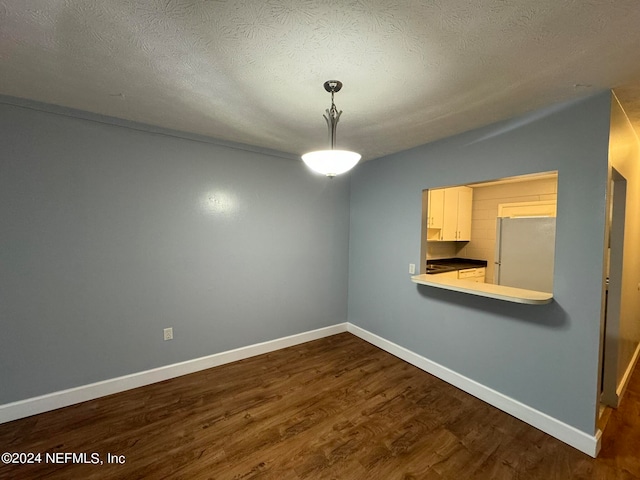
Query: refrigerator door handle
{"type": "Point", "coordinates": [498, 253]}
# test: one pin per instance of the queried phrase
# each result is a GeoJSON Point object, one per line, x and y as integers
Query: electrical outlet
{"type": "Point", "coordinates": [168, 333]}
{"type": "Point", "coordinates": [412, 268]}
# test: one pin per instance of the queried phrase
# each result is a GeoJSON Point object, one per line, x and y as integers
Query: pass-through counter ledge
{"type": "Point", "coordinates": [500, 292]}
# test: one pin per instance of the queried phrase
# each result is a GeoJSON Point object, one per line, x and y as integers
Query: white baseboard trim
{"type": "Point", "coordinates": [64, 398]}
{"type": "Point", "coordinates": [589, 444]}
{"type": "Point", "coordinates": [622, 387]}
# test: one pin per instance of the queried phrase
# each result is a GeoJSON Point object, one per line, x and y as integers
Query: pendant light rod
{"type": "Point", "coordinates": [333, 115]}
{"type": "Point", "coordinates": [331, 162]}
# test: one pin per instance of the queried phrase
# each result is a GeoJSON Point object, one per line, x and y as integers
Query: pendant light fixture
{"type": "Point", "coordinates": [331, 162]}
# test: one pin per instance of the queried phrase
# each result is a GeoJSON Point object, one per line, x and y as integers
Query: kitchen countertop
{"type": "Point", "coordinates": [443, 265]}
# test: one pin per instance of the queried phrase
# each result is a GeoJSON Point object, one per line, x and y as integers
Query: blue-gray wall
{"type": "Point", "coordinates": [543, 356]}
{"type": "Point", "coordinates": [109, 234]}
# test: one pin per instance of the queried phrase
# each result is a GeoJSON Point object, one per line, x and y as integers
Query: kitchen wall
{"type": "Point", "coordinates": [545, 357]}
{"type": "Point", "coordinates": [485, 213]}
{"type": "Point", "coordinates": [111, 231]}
{"type": "Point", "coordinates": [444, 249]}
{"type": "Point", "coordinates": [624, 156]}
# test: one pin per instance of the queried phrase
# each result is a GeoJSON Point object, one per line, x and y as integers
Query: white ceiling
{"type": "Point", "coordinates": [251, 71]}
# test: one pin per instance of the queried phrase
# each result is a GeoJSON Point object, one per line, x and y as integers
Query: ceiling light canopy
{"type": "Point", "coordinates": [331, 162]}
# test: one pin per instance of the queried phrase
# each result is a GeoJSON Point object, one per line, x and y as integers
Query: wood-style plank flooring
{"type": "Point", "coordinates": [335, 408]}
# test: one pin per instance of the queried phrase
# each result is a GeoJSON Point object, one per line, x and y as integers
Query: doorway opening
{"type": "Point", "coordinates": [610, 334]}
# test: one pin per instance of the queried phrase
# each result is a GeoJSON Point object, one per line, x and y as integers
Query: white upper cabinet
{"type": "Point", "coordinates": [457, 214]}
{"type": "Point", "coordinates": [435, 208]}
{"type": "Point", "coordinates": [465, 206]}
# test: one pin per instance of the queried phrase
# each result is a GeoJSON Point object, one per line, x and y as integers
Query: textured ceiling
{"type": "Point", "coordinates": [251, 71]}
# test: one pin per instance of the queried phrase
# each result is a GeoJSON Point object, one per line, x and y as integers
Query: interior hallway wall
{"type": "Point", "coordinates": [624, 156]}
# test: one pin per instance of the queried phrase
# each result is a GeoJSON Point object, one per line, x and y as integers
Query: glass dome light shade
{"type": "Point", "coordinates": [331, 162]}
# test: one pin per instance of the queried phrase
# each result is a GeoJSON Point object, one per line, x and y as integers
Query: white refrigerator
{"type": "Point", "coordinates": [525, 249]}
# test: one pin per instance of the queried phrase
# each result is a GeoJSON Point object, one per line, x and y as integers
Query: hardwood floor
{"type": "Point", "coordinates": [335, 408]}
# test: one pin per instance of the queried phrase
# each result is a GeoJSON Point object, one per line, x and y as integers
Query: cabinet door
{"type": "Point", "coordinates": [472, 274]}
{"type": "Point", "coordinates": [467, 273]}
{"type": "Point", "coordinates": [435, 208]}
{"type": "Point", "coordinates": [456, 222]}
{"type": "Point", "coordinates": [465, 205]}
{"type": "Point", "coordinates": [450, 221]}
{"type": "Point", "coordinates": [452, 275]}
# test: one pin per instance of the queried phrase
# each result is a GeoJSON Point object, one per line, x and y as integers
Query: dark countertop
{"type": "Point", "coordinates": [443, 265]}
